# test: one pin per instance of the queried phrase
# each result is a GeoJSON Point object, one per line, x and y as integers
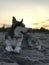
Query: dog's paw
{"type": "Point", "coordinates": [17, 50]}
{"type": "Point", "coordinates": [9, 49]}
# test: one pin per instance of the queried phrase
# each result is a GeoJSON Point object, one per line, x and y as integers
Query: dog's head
{"type": "Point", "coordinates": [16, 23]}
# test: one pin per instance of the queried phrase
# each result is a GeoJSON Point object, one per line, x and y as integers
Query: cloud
{"type": "Point", "coordinates": [45, 25]}
{"type": "Point", "coordinates": [47, 20]}
{"type": "Point", "coordinates": [35, 23]}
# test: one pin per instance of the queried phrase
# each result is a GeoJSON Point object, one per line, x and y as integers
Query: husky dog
{"type": "Point", "coordinates": [14, 43]}
{"type": "Point", "coordinates": [14, 37]}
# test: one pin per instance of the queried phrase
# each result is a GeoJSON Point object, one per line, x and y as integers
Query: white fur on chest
{"type": "Point", "coordinates": [16, 43]}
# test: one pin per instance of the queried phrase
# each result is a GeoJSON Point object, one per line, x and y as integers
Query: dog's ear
{"type": "Point", "coordinates": [13, 20]}
{"type": "Point", "coordinates": [22, 21]}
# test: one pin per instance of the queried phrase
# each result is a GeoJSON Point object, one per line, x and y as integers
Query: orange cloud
{"type": "Point", "coordinates": [35, 23]}
{"type": "Point", "coordinates": [45, 25]}
{"type": "Point", "coordinates": [47, 20]}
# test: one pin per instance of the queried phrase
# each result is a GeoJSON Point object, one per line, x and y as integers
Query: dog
{"type": "Point", "coordinates": [14, 37]}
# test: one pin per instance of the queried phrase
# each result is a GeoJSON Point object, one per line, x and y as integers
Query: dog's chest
{"type": "Point", "coordinates": [13, 42]}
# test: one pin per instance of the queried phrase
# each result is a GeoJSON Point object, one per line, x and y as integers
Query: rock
{"type": "Point", "coordinates": [32, 41]}
{"type": "Point", "coordinates": [4, 63]}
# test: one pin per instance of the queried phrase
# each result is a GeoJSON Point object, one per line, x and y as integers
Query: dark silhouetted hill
{"type": "Point", "coordinates": [41, 30]}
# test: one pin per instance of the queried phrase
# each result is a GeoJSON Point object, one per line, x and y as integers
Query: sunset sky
{"type": "Point", "coordinates": [34, 12]}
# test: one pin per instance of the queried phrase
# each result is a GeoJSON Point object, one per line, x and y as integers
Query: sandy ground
{"type": "Point", "coordinates": [26, 56]}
